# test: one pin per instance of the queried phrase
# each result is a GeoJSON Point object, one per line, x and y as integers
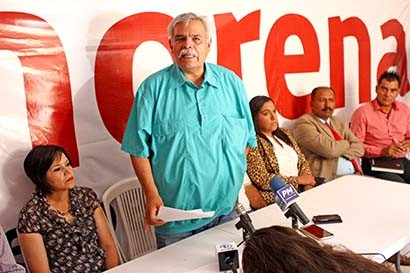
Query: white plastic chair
{"type": "Point", "coordinates": [128, 201]}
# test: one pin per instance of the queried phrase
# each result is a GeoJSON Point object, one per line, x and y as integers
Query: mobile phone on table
{"type": "Point", "coordinates": [327, 219]}
{"type": "Point", "coordinates": [316, 232]}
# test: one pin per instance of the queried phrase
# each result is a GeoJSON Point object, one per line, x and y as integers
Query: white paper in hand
{"type": "Point", "coordinates": [170, 214]}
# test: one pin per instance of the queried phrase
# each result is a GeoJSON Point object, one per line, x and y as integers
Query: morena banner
{"type": "Point", "coordinates": [69, 69]}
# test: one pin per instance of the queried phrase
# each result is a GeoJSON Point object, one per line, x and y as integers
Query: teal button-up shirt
{"type": "Point", "coordinates": [195, 139]}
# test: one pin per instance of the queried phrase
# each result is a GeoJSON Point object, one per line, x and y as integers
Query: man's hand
{"type": "Point", "coordinates": [154, 202]}
{"type": "Point", "coordinates": [405, 145]}
{"type": "Point", "coordinates": [143, 170]}
{"type": "Point", "coordinates": [394, 150]}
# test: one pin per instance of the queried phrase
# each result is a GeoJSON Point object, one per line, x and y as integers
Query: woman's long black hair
{"type": "Point", "coordinates": [255, 104]}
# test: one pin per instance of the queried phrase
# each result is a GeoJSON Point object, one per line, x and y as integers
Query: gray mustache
{"type": "Point", "coordinates": [185, 52]}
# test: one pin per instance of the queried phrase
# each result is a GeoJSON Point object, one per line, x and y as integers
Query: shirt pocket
{"type": "Point", "coordinates": [168, 128]}
{"type": "Point", "coordinates": [235, 133]}
{"type": "Point", "coordinates": [169, 135]}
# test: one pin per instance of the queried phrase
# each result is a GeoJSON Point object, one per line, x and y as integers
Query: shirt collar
{"type": "Point", "coordinates": [325, 120]}
{"type": "Point", "coordinates": [209, 77]}
{"type": "Point", "coordinates": [377, 107]}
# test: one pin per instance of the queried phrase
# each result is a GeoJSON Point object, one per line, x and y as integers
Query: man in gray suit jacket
{"type": "Point", "coordinates": [327, 142]}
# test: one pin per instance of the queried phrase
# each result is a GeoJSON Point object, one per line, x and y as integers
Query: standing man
{"type": "Point", "coordinates": [187, 134]}
{"type": "Point", "coordinates": [327, 142]}
{"type": "Point", "coordinates": [383, 126]}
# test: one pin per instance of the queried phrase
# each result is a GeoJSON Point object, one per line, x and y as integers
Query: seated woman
{"type": "Point", "coordinates": [62, 228]}
{"type": "Point", "coordinates": [277, 154]}
{"type": "Point", "coordinates": [280, 249]}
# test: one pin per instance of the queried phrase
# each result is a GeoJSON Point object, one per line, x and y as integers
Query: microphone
{"type": "Point", "coordinates": [285, 197]}
{"type": "Point", "coordinates": [228, 257]}
{"type": "Point", "coordinates": [245, 221]}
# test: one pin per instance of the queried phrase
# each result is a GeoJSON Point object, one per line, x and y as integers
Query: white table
{"type": "Point", "coordinates": [194, 254]}
{"type": "Point", "coordinates": [374, 214]}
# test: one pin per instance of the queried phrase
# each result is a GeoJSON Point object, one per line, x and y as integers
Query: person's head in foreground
{"type": "Point", "coordinates": [279, 249]}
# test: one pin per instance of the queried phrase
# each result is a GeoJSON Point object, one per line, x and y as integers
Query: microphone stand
{"type": "Point", "coordinates": [295, 223]}
{"type": "Point", "coordinates": [245, 233]}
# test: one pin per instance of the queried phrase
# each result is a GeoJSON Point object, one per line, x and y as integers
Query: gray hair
{"type": "Point", "coordinates": [186, 18]}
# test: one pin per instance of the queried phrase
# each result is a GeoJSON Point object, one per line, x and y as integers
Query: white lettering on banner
{"type": "Point", "coordinates": [79, 86]}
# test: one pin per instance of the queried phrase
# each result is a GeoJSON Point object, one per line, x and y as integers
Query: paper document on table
{"type": "Point", "coordinates": [170, 214]}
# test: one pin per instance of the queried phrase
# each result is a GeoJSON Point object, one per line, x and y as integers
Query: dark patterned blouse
{"type": "Point", "coordinates": [71, 246]}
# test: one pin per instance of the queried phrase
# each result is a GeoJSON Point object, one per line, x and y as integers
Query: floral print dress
{"type": "Point", "coordinates": [71, 246]}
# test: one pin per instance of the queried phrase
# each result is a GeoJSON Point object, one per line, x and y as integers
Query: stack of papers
{"type": "Point", "coordinates": [170, 214]}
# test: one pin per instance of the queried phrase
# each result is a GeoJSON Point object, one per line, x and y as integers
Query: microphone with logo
{"type": "Point", "coordinates": [285, 197]}
{"type": "Point", "coordinates": [245, 221]}
{"type": "Point", "coordinates": [228, 257]}
{"type": "Point", "coordinates": [227, 254]}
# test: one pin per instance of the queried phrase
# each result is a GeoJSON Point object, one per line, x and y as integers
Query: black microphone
{"type": "Point", "coordinates": [245, 221]}
{"type": "Point", "coordinates": [228, 257]}
{"type": "Point", "coordinates": [285, 197]}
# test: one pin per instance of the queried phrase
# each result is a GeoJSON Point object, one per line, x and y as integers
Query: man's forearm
{"type": "Point", "coordinates": [143, 170]}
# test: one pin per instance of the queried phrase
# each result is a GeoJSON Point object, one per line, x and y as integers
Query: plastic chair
{"type": "Point", "coordinates": [126, 198]}
{"type": "Point", "coordinates": [13, 241]}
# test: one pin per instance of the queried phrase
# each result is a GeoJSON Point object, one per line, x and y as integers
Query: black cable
{"type": "Point", "coordinates": [243, 241]}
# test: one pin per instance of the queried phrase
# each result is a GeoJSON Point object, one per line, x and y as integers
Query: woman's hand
{"type": "Point", "coordinates": [307, 180]}
{"type": "Point", "coordinates": [307, 187]}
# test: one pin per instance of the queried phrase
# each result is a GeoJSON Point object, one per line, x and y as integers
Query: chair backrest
{"type": "Point", "coordinates": [13, 242]}
{"type": "Point", "coordinates": [126, 198]}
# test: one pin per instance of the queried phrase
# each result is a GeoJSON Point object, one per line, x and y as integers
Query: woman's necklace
{"type": "Point", "coordinates": [59, 212]}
